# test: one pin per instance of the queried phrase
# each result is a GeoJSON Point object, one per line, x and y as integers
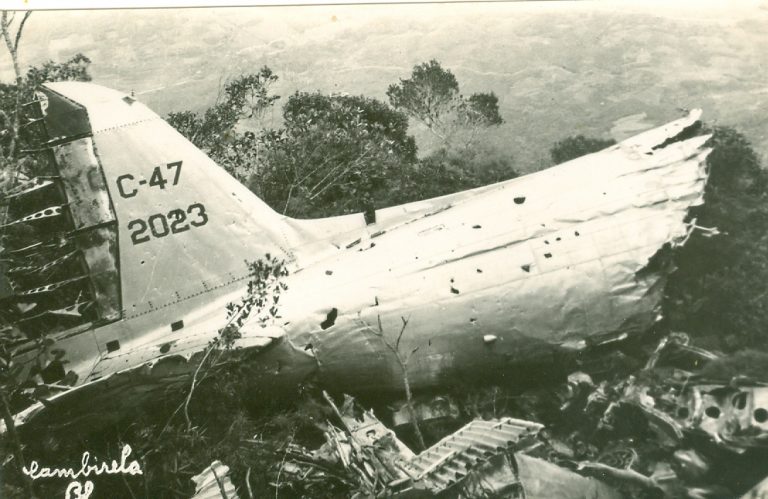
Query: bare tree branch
{"type": "Point", "coordinates": [403, 363]}
{"type": "Point", "coordinates": [13, 51]}
{"type": "Point", "coordinates": [402, 330]}
{"type": "Point", "coordinates": [21, 27]}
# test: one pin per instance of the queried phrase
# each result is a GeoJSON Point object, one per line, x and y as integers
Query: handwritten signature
{"type": "Point", "coordinates": [76, 489]}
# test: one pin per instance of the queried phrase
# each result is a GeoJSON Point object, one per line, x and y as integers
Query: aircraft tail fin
{"type": "Point", "coordinates": [156, 220]}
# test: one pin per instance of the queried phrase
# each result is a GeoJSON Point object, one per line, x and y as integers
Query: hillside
{"type": "Point", "coordinates": [558, 68]}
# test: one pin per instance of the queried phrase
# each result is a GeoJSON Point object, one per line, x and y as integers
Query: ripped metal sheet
{"type": "Point", "coordinates": [29, 186]}
{"type": "Point", "coordinates": [159, 369]}
{"type": "Point", "coordinates": [733, 415]}
{"type": "Point", "coordinates": [435, 408]}
{"type": "Point", "coordinates": [214, 483]}
{"type": "Point", "coordinates": [759, 491]}
{"type": "Point", "coordinates": [367, 430]}
{"type": "Point", "coordinates": [479, 460]}
{"type": "Point", "coordinates": [44, 267]}
{"type": "Point", "coordinates": [51, 287]}
{"type": "Point", "coordinates": [73, 310]}
{"type": "Point", "coordinates": [539, 262]}
{"type": "Point", "coordinates": [51, 211]}
{"type": "Point", "coordinates": [543, 480]}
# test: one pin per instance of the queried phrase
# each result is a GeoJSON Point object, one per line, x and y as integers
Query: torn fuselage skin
{"type": "Point", "coordinates": [558, 268]}
{"type": "Point", "coordinates": [538, 263]}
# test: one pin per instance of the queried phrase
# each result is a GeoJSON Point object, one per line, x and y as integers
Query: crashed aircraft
{"type": "Point", "coordinates": [151, 237]}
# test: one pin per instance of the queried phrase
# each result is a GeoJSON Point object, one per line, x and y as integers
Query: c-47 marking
{"type": "Point", "coordinates": [155, 180]}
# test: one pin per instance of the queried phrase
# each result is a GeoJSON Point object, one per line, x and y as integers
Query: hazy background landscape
{"type": "Point", "coordinates": [558, 68]}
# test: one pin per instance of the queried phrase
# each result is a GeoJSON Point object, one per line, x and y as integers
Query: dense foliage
{"type": "Point", "coordinates": [335, 154]}
{"type": "Point", "coordinates": [338, 154]}
{"type": "Point", "coordinates": [22, 383]}
{"type": "Point", "coordinates": [577, 146]}
{"type": "Point", "coordinates": [718, 293]}
{"type": "Point", "coordinates": [244, 97]}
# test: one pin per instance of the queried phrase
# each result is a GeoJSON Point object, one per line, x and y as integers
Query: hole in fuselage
{"type": "Point", "coordinates": [53, 372]}
{"type": "Point", "coordinates": [330, 319]}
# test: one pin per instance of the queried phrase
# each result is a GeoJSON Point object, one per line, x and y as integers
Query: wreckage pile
{"type": "Point", "coordinates": [674, 428]}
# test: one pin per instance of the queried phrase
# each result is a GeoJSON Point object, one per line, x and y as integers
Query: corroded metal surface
{"type": "Point", "coordinates": [99, 249]}
{"type": "Point", "coordinates": [87, 196]}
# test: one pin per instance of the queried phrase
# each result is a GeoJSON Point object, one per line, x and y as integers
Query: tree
{"type": "Point", "coordinates": [11, 114]}
{"type": "Point", "coordinates": [483, 109]}
{"type": "Point", "coordinates": [402, 358]}
{"type": "Point", "coordinates": [20, 383]}
{"type": "Point", "coordinates": [431, 95]}
{"type": "Point", "coordinates": [718, 294]}
{"type": "Point", "coordinates": [577, 146]}
{"type": "Point", "coordinates": [447, 171]}
{"type": "Point", "coordinates": [215, 131]}
{"type": "Point", "coordinates": [336, 154]}
{"type": "Point", "coordinates": [73, 69]}
{"type": "Point", "coordinates": [339, 154]}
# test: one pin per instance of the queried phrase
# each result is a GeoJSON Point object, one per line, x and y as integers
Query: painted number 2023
{"type": "Point", "coordinates": [161, 225]}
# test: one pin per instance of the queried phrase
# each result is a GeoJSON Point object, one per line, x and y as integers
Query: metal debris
{"type": "Point", "coordinates": [214, 483]}
{"type": "Point", "coordinates": [483, 458]}
{"type": "Point", "coordinates": [625, 437]}
{"type": "Point", "coordinates": [434, 408]}
{"type": "Point", "coordinates": [736, 416]}
{"type": "Point", "coordinates": [759, 491]}
{"type": "Point", "coordinates": [449, 461]}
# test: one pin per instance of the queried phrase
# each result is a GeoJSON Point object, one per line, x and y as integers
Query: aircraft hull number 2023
{"type": "Point", "coordinates": [160, 225]}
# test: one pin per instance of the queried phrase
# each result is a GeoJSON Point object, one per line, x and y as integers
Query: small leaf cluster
{"type": "Point", "coordinates": [261, 298]}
